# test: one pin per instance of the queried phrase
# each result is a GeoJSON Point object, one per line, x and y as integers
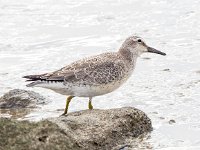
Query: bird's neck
{"type": "Point", "coordinates": [128, 55]}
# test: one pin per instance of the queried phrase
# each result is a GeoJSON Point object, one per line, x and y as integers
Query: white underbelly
{"type": "Point", "coordinates": [81, 90]}
{"type": "Point", "coordinates": [91, 91]}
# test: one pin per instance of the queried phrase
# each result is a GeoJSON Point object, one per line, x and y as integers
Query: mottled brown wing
{"type": "Point", "coordinates": [96, 74]}
{"type": "Point", "coordinates": [100, 69]}
{"type": "Point", "coordinates": [68, 72]}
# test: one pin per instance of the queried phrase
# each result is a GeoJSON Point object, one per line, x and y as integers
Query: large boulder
{"type": "Point", "coordinates": [104, 129]}
{"type": "Point", "coordinates": [21, 99]}
{"type": "Point", "coordinates": [43, 135]}
{"type": "Point", "coordinates": [88, 129]}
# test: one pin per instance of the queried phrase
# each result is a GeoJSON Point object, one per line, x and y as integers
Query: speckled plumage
{"type": "Point", "coordinates": [96, 75]}
{"type": "Point", "coordinates": [97, 72]}
{"type": "Point", "coordinates": [101, 69]}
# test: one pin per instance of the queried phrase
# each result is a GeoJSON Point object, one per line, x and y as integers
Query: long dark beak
{"type": "Point", "coordinates": [153, 50]}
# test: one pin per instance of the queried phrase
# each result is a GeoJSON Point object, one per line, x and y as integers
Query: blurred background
{"type": "Point", "coordinates": [38, 36]}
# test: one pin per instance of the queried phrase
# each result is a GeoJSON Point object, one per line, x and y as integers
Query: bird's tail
{"type": "Point", "coordinates": [35, 78]}
{"type": "Point", "coordinates": [32, 77]}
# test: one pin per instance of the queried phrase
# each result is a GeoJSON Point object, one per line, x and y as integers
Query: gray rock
{"type": "Point", "coordinates": [24, 135]}
{"type": "Point", "coordinates": [104, 129]}
{"type": "Point", "coordinates": [122, 128]}
{"type": "Point", "coordinates": [21, 99]}
{"type": "Point", "coordinates": [172, 121]}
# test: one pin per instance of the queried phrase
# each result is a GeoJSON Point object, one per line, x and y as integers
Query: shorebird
{"type": "Point", "coordinates": [95, 75]}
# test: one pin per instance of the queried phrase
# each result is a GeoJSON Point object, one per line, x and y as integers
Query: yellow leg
{"type": "Point", "coordinates": [67, 104]}
{"type": "Point", "coordinates": [90, 103]}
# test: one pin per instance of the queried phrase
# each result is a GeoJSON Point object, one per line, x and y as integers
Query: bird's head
{"type": "Point", "coordinates": [137, 46]}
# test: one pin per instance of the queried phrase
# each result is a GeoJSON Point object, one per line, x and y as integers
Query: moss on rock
{"type": "Point", "coordinates": [26, 135]}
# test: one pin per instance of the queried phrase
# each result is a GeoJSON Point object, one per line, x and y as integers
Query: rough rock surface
{"type": "Point", "coordinates": [21, 99]}
{"type": "Point", "coordinates": [88, 129]}
{"type": "Point", "coordinates": [23, 135]}
{"type": "Point", "coordinates": [104, 129]}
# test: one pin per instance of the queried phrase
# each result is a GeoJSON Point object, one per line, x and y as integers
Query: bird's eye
{"type": "Point", "coordinates": [139, 40]}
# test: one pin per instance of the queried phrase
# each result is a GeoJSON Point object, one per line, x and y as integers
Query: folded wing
{"type": "Point", "coordinates": [88, 71]}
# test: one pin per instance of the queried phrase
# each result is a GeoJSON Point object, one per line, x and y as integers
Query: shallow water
{"type": "Point", "coordinates": [43, 35]}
